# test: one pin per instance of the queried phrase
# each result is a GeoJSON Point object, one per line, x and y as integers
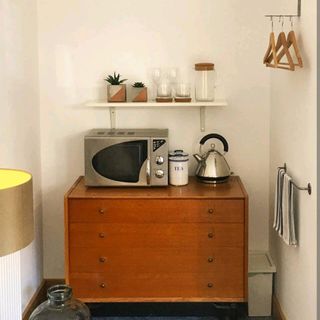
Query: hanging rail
{"type": "Point", "coordinates": [308, 188]}
{"type": "Point", "coordinates": [287, 15]}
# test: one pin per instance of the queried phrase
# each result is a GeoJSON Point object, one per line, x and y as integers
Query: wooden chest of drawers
{"type": "Point", "coordinates": [157, 244]}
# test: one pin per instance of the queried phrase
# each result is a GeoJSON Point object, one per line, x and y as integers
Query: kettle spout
{"type": "Point", "coordinates": [198, 157]}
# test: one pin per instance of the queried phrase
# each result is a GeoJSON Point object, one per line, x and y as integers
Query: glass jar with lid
{"type": "Point", "coordinates": [204, 82]}
{"type": "Point", "coordinates": [61, 306]}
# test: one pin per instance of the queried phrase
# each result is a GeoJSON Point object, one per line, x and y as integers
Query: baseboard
{"type": "Point", "coordinates": [39, 296]}
{"type": "Point", "coordinates": [277, 311]}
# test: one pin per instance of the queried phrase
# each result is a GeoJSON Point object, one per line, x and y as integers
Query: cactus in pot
{"type": "Point", "coordinates": [139, 92]}
{"type": "Point", "coordinates": [116, 88]}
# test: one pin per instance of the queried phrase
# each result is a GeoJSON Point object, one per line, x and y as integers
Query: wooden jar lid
{"type": "Point", "coordinates": [204, 66]}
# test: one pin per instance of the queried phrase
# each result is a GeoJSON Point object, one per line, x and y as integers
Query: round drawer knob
{"type": "Point", "coordinates": [102, 259]}
{"type": "Point", "coordinates": [101, 235]}
{"type": "Point", "coordinates": [210, 259]}
{"type": "Point", "coordinates": [210, 211]}
{"type": "Point", "coordinates": [102, 211]}
{"type": "Point", "coordinates": [210, 285]}
{"type": "Point", "coordinates": [102, 285]}
{"type": "Point", "coordinates": [210, 234]}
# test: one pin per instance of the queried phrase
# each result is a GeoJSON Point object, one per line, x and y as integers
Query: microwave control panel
{"type": "Point", "coordinates": [159, 162]}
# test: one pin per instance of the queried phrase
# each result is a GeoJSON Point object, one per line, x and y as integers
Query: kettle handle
{"type": "Point", "coordinates": [215, 136]}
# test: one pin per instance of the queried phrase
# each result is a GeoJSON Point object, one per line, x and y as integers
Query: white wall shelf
{"type": "Point", "coordinates": [157, 105]}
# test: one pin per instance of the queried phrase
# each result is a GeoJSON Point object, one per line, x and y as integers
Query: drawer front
{"type": "Point", "coordinates": [185, 235]}
{"type": "Point", "coordinates": [149, 285]}
{"type": "Point", "coordinates": [161, 211]}
{"type": "Point", "coordinates": [148, 260]}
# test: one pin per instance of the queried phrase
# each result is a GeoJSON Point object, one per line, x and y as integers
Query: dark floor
{"type": "Point", "coordinates": [172, 311]}
{"type": "Point", "coordinates": [178, 318]}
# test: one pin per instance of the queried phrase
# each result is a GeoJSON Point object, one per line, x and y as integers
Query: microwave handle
{"type": "Point", "coordinates": [148, 173]}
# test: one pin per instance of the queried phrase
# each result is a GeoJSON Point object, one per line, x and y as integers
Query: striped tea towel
{"type": "Point", "coordinates": [288, 234]}
{"type": "Point", "coordinates": [277, 221]}
{"type": "Point", "coordinates": [284, 222]}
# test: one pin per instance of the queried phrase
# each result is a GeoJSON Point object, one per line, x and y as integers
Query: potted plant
{"type": "Point", "coordinates": [139, 92]}
{"type": "Point", "coordinates": [116, 88]}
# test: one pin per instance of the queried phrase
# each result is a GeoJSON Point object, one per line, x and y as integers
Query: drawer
{"type": "Point", "coordinates": [100, 286]}
{"type": "Point", "coordinates": [148, 260]}
{"type": "Point", "coordinates": [160, 210]}
{"type": "Point", "coordinates": [128, 235]}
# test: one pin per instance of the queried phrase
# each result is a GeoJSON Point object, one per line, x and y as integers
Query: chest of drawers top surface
{"type": "Point", "coordinates": [233, 189]}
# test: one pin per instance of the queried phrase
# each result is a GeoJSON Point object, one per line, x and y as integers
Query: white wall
{"type": "Point", "coordinates": [81, 41]}
{"type": "Point", "coordinates": [293, 140]}
{"type": "Point", "coordinates": [19, 120]}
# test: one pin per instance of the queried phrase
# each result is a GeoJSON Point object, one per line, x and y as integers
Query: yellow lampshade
{"type": "Point", "coordinates": [16, 210]}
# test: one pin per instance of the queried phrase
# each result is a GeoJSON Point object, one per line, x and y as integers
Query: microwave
{"type": "Point", "coordinates": [126, 157]}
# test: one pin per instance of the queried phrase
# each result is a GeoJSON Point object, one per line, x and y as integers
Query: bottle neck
{"type": "Point", "coordinates": [59, 295]}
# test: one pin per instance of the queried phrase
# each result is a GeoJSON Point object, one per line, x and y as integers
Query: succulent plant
{"type": "Point", "coordinates": [138, 85]}
{"type": "Point", "coordinates": [115, 79]}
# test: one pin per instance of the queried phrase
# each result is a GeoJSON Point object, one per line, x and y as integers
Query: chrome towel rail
{"type": "Point", "coordinates": [308, 188]}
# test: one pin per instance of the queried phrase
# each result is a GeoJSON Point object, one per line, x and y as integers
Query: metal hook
{"type": "Point", "coordinates": [282, 24]}
{"type": "Point", "coordinates": [291, 22]}
{"type": "Point", "coordinates": [271, 19]}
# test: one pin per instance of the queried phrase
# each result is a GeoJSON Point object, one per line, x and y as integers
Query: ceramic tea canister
{"type": "Point", "coordinates": [178, 168]}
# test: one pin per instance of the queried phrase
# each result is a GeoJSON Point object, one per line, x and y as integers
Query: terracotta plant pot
{"type": "Point", "coordinates": [139, 94]}
{"type": "Point", "coordinates": [117, 93]}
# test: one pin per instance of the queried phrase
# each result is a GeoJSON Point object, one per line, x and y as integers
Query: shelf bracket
{"type": "Point", "coordinates": [112, 111]}
{"type": "Point", "coordinates": [200, 105]}
{"type": "Point", "coordinates": [203, 118]}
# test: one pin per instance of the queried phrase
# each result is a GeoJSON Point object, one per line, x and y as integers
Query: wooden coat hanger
{"type": "Point", "coordinates": [281, 43]}
{"type": "Point", "coordinates": [271, 51]}
{"type": "Point", "coordinates": [278, 46]}
{"type": "Point", "coordinates": [292, 41]}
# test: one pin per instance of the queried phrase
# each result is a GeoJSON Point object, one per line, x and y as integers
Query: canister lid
{"type": "Point", "coordinates": [204, 66]}
{"type": "Point", "coordinates": [178, 155]}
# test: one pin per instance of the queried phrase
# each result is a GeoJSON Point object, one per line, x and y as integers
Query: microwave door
{"type": "Point", "coordinates": [122, 162]}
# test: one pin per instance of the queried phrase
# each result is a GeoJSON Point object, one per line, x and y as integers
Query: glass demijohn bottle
{"type": "Point", "coordinates": [61, 306]}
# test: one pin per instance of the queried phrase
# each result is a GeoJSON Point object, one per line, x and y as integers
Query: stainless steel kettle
{"type": "Point", "coordinates": [212, 166]}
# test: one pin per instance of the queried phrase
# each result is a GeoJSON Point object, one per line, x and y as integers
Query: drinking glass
{"type": "Point", "coordinates": [183, 90]}
{"type": "Point", "coordinates": [156, 75]}
{"type": "Point", "coordinates": [164, 90]}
